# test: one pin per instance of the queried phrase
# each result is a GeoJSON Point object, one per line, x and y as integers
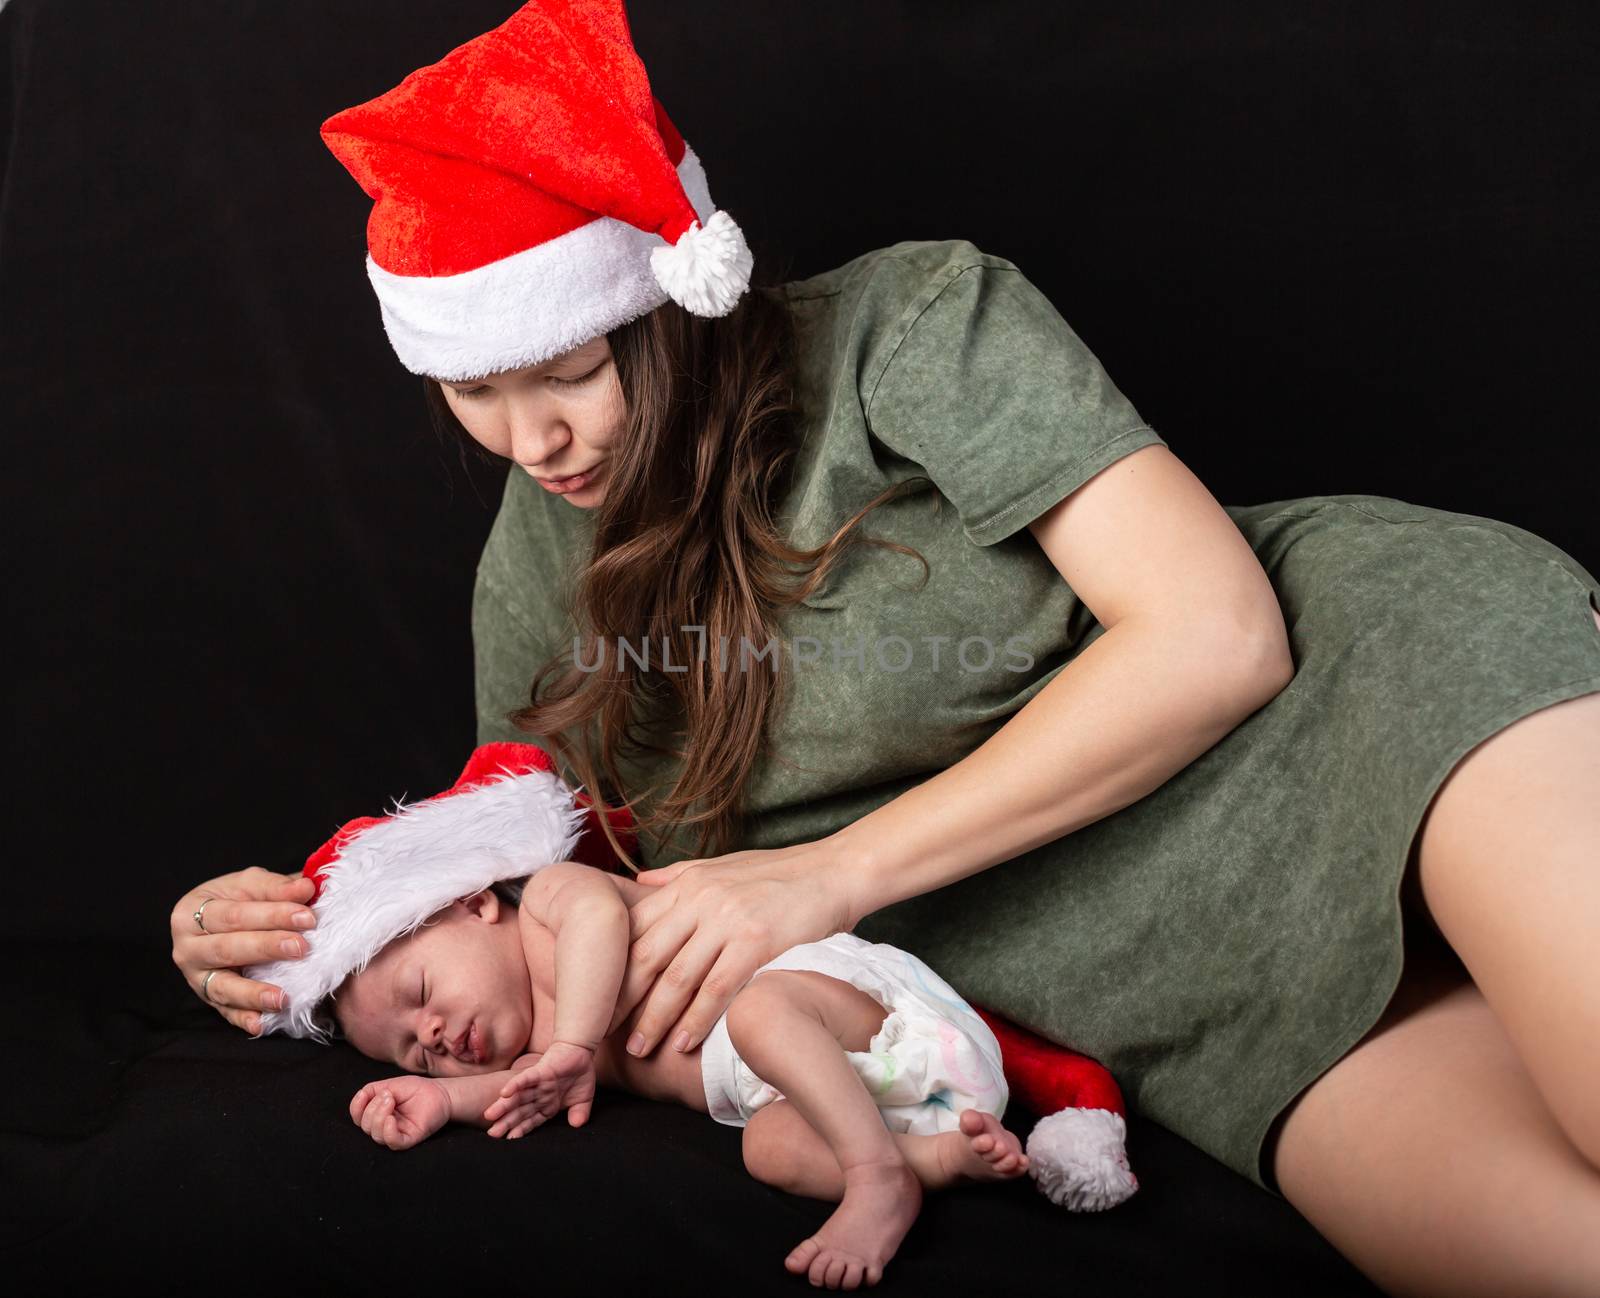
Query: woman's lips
{"type": "Point", "coordinates": [563, 485]}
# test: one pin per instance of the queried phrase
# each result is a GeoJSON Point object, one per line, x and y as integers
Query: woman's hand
{"type": "Point", "coordinates": [711, 924]}
{"type": "Point", "coordinates": [252, 920]}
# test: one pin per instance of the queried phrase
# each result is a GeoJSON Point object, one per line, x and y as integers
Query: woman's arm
{"type": "Point", "coordinates": [1194, 643]}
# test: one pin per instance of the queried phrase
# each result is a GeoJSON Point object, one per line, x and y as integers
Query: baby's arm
{"type": "Point", "coordinates": [583, 909]}
{"type": "Point", "coordinates": [401, 1111]}
{"type": "Point", "coordinates": [470, 1095]}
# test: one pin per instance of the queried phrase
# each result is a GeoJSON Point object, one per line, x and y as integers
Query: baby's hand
{"type": "Point", "coordinates": [562, 1079]}
{"type": "Point", "coordinates": [401, 1111]}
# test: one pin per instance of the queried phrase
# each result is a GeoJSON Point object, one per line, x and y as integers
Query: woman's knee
{"type": "Point", "coordinates": [1427, 1157]}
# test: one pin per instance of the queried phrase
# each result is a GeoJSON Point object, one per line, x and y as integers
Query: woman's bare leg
{"type": "Point", "coordinates": [1441, 1154]}
{"type": "Point", "coordinates": [1428, 1158]}
{"type": "Point", "coordinates": [1509, 868]}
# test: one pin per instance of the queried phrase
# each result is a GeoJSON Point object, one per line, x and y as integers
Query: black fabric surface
{"type": "Point", "coordinates": [1323, 247]}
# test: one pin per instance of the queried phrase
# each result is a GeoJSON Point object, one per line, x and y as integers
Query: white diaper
{"type": "Point", "coordinates": [932, 1057]}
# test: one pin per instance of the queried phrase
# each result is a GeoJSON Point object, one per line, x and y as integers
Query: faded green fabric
{"type": "Point", "coordinates": [1224, 940]}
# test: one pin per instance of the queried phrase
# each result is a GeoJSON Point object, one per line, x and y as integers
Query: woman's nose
{"type": "Point", "coordinates": [532, 442]}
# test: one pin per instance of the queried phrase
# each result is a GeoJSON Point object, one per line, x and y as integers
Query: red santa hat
{"type": "Point", "coordinates": [530, 194]}
{"type": "Point", "coordinates": [508, 815]}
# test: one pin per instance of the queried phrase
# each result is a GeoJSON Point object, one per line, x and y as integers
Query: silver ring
{"type": "Point", "coordinates": [205, 986]}
{"type": "Point", "coordinates": [200, 914]}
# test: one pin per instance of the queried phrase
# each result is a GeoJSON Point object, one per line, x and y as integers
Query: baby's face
{"type": "Point", "coordinates": [452, 998]}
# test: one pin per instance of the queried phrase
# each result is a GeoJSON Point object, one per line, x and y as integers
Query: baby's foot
{"type": "Point", "coordinates": [982, 1150]}
{"type": "Point", "coordinates": [880, 1202]}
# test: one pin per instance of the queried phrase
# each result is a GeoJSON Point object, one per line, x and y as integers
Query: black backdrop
{"type": "Point", "coordinates": [1324, 247]}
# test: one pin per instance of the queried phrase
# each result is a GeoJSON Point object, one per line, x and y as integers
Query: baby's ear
{"type": "Point", "coordinates": [485, 904]}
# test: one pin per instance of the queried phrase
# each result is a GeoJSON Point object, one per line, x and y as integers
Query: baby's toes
{"type": "Point", "coordinates": [800, 1256]}
{"type": "Point", "coordinates": [1015, 1163]}
{"type": "Point", "coordinates": [828, 1269]}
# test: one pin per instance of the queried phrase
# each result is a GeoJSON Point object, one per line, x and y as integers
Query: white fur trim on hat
{"type": "Point", "coordinates": [390, 877]}
{"type": "Point", "coordinates": [532, 305]}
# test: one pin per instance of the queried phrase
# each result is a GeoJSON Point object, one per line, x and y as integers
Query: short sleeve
{"type": "Point", "coordinates": [998, 401]}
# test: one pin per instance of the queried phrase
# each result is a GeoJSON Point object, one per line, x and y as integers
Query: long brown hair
{"type": "Point", "coordinates": [685, 537]}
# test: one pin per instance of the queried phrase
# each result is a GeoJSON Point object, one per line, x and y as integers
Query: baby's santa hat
{"type": "Point", "coordinates": [508, 815]}
{"type": "Point", "coordinates": [530, 194]}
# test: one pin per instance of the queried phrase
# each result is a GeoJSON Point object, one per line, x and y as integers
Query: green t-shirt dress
{"type": "Point", "coordinates": [1224, 940]}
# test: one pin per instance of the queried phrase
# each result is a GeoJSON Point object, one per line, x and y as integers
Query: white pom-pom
{"type": "Point", "coordinates": [708, 269]}
{"type": "Point", "coordinates": [1077, 1158]}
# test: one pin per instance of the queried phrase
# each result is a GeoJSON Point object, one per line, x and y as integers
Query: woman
{"type": "Point", "coordinates": [1295, 801]}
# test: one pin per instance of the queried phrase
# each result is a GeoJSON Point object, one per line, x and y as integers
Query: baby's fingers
{"type": "Point", "coordinates": [372, 1116]}
{"type": "Point", "coordinates": [528, 1078]}
{"type": "Point", "coordinates": [395, 1136]}
{"type": "Point", "coordinates": [379, 1119]}
{"type": "Point", "coordinates": [362, 1100]}
{"type": "Point", "coordinates": [394, 1133]}
{"type": "Point", "coordinates": [508, 1101]}
{"type": "Point", "coordinates": [516, 1120]}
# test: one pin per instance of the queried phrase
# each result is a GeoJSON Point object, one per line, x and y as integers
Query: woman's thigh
{"type": "Point", "coordinates": [1427, 1157]}
{"type": "Point", "coordinates": [1509, 869]}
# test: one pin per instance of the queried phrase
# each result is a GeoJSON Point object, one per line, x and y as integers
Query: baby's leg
{"type": "Point", "coordinates": [792, 1028]}
{"type": "Point", "coordinates": [787, 1025]}
{"type": "Point", "coordinates": [784, 1150]}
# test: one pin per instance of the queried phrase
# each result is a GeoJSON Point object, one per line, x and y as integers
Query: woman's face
{"type": "Point", "coordinates": [556, 420]}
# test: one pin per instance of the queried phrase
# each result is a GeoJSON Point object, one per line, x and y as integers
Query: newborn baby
{"type": "Point", "coordinates": [508, 1015]}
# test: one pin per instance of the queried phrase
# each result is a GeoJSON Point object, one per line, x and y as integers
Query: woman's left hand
{"type": "Point", "coordinates": [710, 924]}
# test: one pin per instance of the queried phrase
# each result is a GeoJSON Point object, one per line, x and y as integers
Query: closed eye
{"type": "Point", "coordinates": [424, 1065]}
{"type": "Point", "coordinates": [582, 378]}
{"type": "Point", "coordinates": [472, 394]}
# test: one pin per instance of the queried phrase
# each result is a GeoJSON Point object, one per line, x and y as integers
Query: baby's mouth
{"type": "Point", "coordinates": [468, 1047]}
